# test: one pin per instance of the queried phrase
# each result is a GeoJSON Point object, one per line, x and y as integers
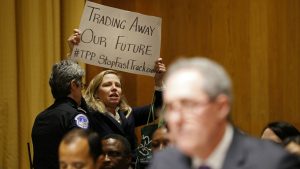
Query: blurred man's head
{"type": "Point", "coordinates": [80, 149]}
{"type": "Point", "coordinates": [198, 96]}
{"type": "Point", "coordinates": [115, 152]}
{"type": "Point", "coordinates": [160, 139]}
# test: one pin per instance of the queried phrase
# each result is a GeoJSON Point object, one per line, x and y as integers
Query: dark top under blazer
{"type": "Point", "coordinates": [244, 153]}
{"type": "Point", "coordinates": [49, 128]}
{"type": "Point", "coordinates": [104, 124]}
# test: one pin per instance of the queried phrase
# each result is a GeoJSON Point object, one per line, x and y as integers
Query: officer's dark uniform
{"type": "Point", "coordinates": [49, 128]}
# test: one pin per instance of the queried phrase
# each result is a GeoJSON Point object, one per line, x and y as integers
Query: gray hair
{"type": "Point", "coordinates": [62, 75]}
{"type": "Point", "coordinates": [216, 79]}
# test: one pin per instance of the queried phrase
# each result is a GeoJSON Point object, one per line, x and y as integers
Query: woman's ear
{"type": "Point", "coordinates": [96, 97]}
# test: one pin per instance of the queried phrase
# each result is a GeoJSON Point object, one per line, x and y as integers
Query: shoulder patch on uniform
{"type": "Point", "coordinates": [82, 121]}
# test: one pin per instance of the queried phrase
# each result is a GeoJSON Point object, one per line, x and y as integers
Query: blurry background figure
{"type": "Point", "coordinates": [279, 131]}
{"type": "Point", "coordinates": [115, 152]}
{"type": "Point", "coordinates": [80, 149]}
{"type": "Point", "coordinates": [292, 144]}
{"type": "Point", "coordinates": [198, 98]}
{"type": "Point", "coordinates": [160, 139]}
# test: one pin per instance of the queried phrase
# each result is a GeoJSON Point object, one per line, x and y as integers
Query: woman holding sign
{"type": "Point", "coordinates": [109, 110]}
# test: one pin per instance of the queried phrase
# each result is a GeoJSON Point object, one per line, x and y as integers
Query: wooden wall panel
{"type": "Point", "coordinates": [257, 110]}
{"type": "Point", "coordinates": [284, 61]}
{"type": "Point", "coordinates": [257, 41]}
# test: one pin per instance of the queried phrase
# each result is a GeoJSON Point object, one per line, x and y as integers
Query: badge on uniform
{"type": "Point", "coordinates": [82, 121]}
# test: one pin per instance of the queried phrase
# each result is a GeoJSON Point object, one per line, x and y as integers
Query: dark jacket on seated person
{"type": "Point", "coordinates": [244, 153]}
{"type": "Point", "coordinates": [104, 124]}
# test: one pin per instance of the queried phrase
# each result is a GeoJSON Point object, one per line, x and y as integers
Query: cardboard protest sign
{"type": "Point", "coordinates": [118, 39]}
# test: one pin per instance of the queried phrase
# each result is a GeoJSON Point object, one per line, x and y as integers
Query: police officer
{"type": "Point", "coordinates": [65, 114]}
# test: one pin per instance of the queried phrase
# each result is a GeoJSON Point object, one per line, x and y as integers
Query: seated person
{"type": "Point", "coordinates": [279, 131]}
{"type": "Point", "coordinates": [115, 152]}
{"type": "Point", "coordinates": [80, 149]}
{"type": "Point", "coordinates": [292, 144]}
{"type": "Point", "coordinates": [149, 145]}
{"type": "Point", "coordinates": [160, 139]}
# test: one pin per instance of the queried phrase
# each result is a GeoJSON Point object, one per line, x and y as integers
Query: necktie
{"type": "Point", "coordinates": [204, 167]}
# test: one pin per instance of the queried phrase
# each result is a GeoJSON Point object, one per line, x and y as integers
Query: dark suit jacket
{"type": "Point", "coordinates": [244, 153]}
{"type": "Point", "coordinates": [104, 124]}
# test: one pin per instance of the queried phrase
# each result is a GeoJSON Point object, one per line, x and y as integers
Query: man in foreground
{"type": "Point", "coordinates": [198, 98]}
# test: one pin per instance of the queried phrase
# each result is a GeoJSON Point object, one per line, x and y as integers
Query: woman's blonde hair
{"type": "Point", "coordinates": [94, 102]}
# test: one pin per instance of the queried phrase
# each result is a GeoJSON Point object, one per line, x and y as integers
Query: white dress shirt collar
{"type": "Point", "coordinates": [116, 116]}
{"type": "Point", "coordinates": [217, 157]}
